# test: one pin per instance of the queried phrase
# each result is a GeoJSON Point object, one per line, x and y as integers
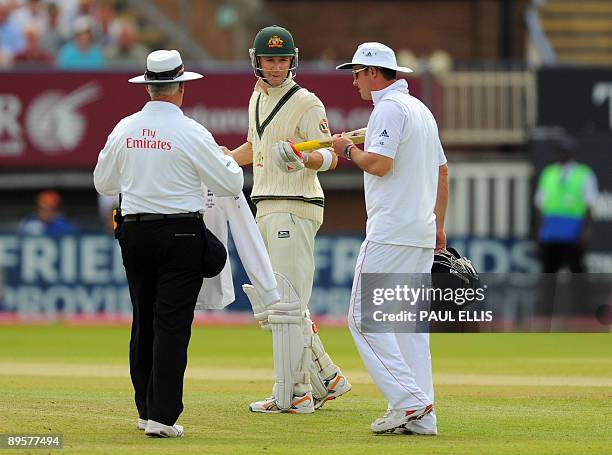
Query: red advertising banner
{"type": "Point", "coordinates": [61, 120]}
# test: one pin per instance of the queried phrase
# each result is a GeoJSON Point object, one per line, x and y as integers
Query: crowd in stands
{"type": "Point", "coordinates": [69, 34]}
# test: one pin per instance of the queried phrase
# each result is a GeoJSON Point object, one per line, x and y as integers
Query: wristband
{"type": "Point", "coordinates": [347, 151]}
{"type": "Point", "coordinates": [328, 159]}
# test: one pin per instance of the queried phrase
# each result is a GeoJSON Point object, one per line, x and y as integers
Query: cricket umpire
{"type": "Point", "coordinates": [157, 160]}
{"type": "Point", "coordinates": [406, 193]}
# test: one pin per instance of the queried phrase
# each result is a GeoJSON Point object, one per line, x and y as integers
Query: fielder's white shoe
{"type": "Point", "coordinates": [142, 424]}
{"type": "Point", "coordinates": [159, 430]}
{"type": "Point", "coordinates": [425, 426]}
{"type": "Point", "coordinates": [336, 386]}
{"type": "Point", "coordinates": [396, 418]}
{"type": "Point", "coordinates": [300, 405]}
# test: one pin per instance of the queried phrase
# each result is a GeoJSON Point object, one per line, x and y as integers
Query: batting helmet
{"type": "Point", "coordinates": [273, 41]}
{"type": "Point", "coordinates": [450, 261]}
{"type": "Point", "coordinates": [451, 271]}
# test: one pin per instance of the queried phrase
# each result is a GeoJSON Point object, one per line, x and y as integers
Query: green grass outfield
{"type": "Point", "coordinates": [495, 394]}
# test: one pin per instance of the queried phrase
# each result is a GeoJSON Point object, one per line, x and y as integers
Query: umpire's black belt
{"type": "Point", "coordinates": [142, 217]}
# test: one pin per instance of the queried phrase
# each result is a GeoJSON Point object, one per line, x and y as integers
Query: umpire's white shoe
{"type": "Point", "coordinates": [300, 405]}
{"type": "Point", "coordinates": [396, 418]}
{"type": "Point", "coordinates": [142, 424]}
{"type": "Point", "coordinates": [336, 386]}
{"type": "Point", "coordinates": [159, 430]}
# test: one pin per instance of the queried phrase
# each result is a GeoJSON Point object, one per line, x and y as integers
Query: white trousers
{"type": "Point", "coordinates": [399, 363]}
{"type": "Point", "coordinates": [290, 241]}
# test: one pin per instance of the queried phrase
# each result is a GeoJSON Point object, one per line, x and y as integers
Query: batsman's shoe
{"type": "Point", "coordinates": [159, 430]}
{"type": "Point", "coordinates": [336, 386]}
{"type": "Point", "coordinates": [142, 424]}
{"type": "Point", "coordinates": [300, 405]}
{"type": "Point", "coordinates": [396, 418]}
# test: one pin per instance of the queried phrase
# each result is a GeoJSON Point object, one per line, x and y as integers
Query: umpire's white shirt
{"type": "Point", "coordinates": [158, 158]}
{"type": "Point", "coordinates": [400, 205]}
{"type": "Point", "coordinates": [218, 292]}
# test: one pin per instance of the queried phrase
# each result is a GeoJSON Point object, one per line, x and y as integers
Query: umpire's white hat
{"type": "Point", "coordinates": [164, 67]}
{"type": "Point", "coordinates": [375, 54]}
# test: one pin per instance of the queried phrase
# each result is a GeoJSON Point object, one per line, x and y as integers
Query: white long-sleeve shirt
{"type": "Point", "coordinates": [158, 159]}
{"type": "Point", "coordinates": [218, 292]}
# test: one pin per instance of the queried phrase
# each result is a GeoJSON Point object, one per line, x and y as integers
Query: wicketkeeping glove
{"type": "Point", "coordinates": [286, 157]}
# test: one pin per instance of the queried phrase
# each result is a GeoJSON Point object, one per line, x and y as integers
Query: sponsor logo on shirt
{"type": "Point", "coordinates": [133, 143]}
{"type": "Point", "coordinates": [148, 141]}
{"type": "Point", "coordinates": [284, 234]}
{"type": "Point", "coordinates": [384, 134]}
{"type": "Point", "coordinates": [323, 126]}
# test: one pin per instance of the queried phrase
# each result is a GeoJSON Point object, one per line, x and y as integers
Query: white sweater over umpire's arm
{"type": "Point", "coordinates": [158, 159]}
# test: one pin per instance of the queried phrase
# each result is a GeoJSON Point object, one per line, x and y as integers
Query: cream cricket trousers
{"type": "Point", "coordinates": [399, 363]}
{"type": "Point", "coordinates": [289, 240]}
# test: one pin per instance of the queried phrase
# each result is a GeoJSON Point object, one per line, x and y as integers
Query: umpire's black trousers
{"type": "Point", "coordinates": [163, 263]}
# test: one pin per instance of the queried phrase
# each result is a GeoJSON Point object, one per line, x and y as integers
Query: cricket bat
{"type": "Point", "coordinates": [357, 136]}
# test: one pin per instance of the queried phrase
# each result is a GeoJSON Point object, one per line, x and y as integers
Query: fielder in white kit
{"type": "Point", "coordinates": [406, 193]}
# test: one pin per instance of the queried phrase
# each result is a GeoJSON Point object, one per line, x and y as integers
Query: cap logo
{"type": "Point", "coordinates": [275, 41]}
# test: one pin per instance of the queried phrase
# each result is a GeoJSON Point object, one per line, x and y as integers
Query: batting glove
{"type": "Point", "coordinates": [286, 157]}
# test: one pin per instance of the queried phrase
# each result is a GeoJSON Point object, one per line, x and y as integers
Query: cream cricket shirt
{"type": "Point", "coordinates": [158, 158]}
{"type": "Point", "coordinates": [400, 205]}
{"type": "Point", "coordinates": [301, 118]}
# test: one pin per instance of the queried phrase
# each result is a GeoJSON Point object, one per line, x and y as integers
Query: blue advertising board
{"type": "Point", "coordinates": [83, 274]}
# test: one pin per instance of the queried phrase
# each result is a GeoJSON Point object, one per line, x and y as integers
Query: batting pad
{"type": "Point", "coordinates": [291, 356]}
{"type": "Point", "coordinates": [321, 366]}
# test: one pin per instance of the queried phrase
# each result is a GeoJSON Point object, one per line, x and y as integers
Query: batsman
{"type": "Point", "coordinates": [289, 201]}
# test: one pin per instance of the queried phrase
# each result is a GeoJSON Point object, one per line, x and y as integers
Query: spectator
{"type": "Point", "coordinates": [52, 39]}
{"type": "Point", "coordinates": [125, 50]}
{"type": "Point", "coordinates": [82, 52]}
{"type": "Point", "coordinates": [46, 219]}
{"type": "Point", "coordinates": [33, 53]}
{"type": "Point", "coordinates": [11, 36]}
{"type": "Point", "coordinates": [104, 16]}
{"type": "Point", "coordinates": [100, 11]}
{"type": "Point", "coordinates": [32, 11]}
{"type": "Point", "coordinates": [566, 192]}
{"type": "Point", "coordinates": [68, 12]}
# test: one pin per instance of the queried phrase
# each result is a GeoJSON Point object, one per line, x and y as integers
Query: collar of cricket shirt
{"type": "Point", "coordinates": [162, 105]}
{"type": "Point", "coordinates": [400, 85]}
{"type": "Point", "coordinates": [262, 87]}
